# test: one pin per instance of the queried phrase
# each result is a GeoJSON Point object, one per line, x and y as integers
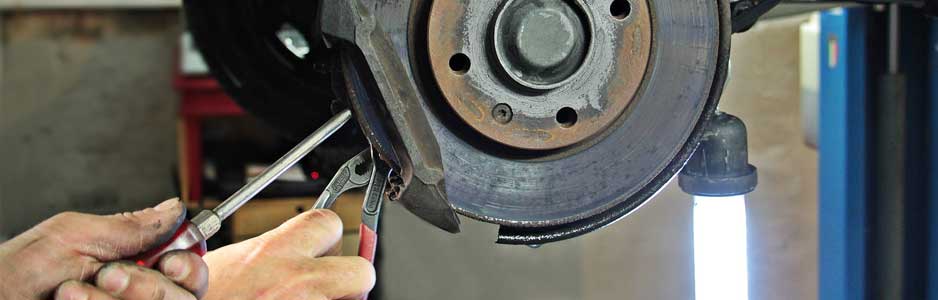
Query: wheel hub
{"type": "Point", "coordinates": [539, 75]}
{"type": "Point", "coordinates": [540, 43]}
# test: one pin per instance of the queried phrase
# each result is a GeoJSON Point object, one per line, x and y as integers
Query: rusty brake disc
{"type": "Point", "coordinates": [553, 118]}
{"type": "Point", "coordinates": [651, 75]}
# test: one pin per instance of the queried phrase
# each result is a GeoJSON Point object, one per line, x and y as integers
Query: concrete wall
{"type": "Point", "coordinates": [87, 115]}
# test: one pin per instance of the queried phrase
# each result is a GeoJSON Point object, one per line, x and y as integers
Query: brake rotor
{"type": "Point", "coordinates": [553, 117]}
{"type": "Point", "coordinates": [651, 76]}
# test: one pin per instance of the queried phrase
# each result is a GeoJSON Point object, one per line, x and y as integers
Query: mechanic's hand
{"type": "Point", "coordinates": [76, 256]}
{"type": "Point", "coordinates": [291, 262]}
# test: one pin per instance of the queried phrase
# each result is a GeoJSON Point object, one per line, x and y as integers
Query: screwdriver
{"type": "Point", "coordinates": [192, 234]}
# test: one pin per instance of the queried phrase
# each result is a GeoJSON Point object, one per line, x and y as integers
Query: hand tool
{"type": "Point", "coordinates": [192, 234]}
{"type": "Point", "coordinates": [362, 170]}
{"type": "Point", "coordinates": [353, 174]}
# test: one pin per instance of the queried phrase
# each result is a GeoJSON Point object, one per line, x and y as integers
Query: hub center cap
{"type": "Point", "coordinates": [540, 43]}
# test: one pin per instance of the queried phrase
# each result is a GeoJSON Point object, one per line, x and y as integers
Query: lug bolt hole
{"type": "Point", "coordinates": [566, 117]}
{"type": "Point", "coordinates": [502, 113]}
{"type": "Point", "coordinates": [460, 63]}
{"type": "Point", "coordinates": [620, 9]}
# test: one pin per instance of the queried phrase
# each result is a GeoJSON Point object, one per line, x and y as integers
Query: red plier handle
{"type": "Point", "coordinates": [367, 243]}
{"type": "Point", "coordinates": [371, 211]}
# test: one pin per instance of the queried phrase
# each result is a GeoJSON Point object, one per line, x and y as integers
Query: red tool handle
{"type": "Point", "coordinates": [367, 242]}
{"type": "Point", "coordinates": [187, 237]}
{"type": "Point", "coordinates": [367, 245]}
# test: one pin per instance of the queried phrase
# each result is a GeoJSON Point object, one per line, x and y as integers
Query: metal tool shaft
{"type": "Point", "coordinates": [257, 184]}
{"type": "Point", "coordinates": [192, 235]}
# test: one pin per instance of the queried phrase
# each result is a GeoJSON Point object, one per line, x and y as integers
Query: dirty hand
{"type": "Point", "coordinates": [294, 261]}
{"type": "Point", "coordinates": [76, 256]}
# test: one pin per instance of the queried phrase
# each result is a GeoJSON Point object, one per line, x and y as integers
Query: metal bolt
{"type": "Point", "coordinates": [502, 113]}
{"type": "Point", "coordinates": [394, 193]}
{"type": "Point", "coordinates": [395, 182]}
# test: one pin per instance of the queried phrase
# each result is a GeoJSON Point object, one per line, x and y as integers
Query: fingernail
{"type": "Point", "coordinates": [167, 205]}
{"type": "Point", "coordinates": [114, 280]}
{"type": "Point", "coordinates": [175, 268]}
{"type": "Point", "coordinates": [77, 295]}
{"type": "Point", "coordinates": [71, 291]}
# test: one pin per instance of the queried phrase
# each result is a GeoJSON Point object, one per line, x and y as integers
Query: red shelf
{"type": "Point", "coordinates": [200, 97]}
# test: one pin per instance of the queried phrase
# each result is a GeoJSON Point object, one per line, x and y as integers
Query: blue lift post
{"type": "Point", "coordinates": [842, 145]}
{"type": "Point", "coordinates": [850, 255]}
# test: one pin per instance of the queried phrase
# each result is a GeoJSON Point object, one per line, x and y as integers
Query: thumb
{"type": "Point", "coordinates": [113, 237]}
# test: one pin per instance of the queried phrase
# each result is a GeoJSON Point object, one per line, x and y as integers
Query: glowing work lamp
{"type": "Point", "coordinates": [719, 176]}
